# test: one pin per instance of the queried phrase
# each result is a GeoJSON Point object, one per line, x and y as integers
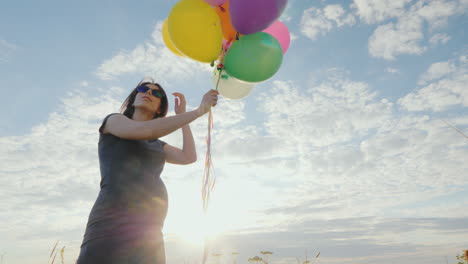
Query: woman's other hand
{"type": "Point", "coordinates": [209, 99]}
{"type": "Point", "coordinates": [179, 103]}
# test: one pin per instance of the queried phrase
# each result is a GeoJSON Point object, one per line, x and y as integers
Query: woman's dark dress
{"type": "Point", "coordinates": [125, 223]}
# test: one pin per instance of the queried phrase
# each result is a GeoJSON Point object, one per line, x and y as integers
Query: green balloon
{"type": "Point", "coordinates": [254, 58]}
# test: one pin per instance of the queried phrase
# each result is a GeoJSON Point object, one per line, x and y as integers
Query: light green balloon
{"type": "Point", "coordinates": [254, 58]}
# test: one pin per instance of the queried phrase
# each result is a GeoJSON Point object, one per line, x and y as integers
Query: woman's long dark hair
{"type": "Point", "coordinates": [128, 109]}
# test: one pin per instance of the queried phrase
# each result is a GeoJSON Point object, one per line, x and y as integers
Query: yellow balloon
{"type": "Point", "coordinates": [168, 41]}
{"type": "Point", "coordinates": [195, 30]}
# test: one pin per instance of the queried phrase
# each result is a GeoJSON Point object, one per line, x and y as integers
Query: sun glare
{"type": "Point", "coordinates": [227, 211]}
{"type": "Point", "coordinates": [194, 237]}
{"type": "Point", "coordinates": [195, 230]}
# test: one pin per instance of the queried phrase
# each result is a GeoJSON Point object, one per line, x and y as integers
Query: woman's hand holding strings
{"type": "Point", "coordinates": [209, 99]}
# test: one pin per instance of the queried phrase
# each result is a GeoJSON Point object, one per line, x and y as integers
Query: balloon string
{"type": "Point", "coordinates": [219, 77]}
{"type": "Point", "coordinates": [209, 181]}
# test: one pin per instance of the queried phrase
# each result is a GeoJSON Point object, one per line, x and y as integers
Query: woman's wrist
{"type": "Point", "coordinates": [198, 112]}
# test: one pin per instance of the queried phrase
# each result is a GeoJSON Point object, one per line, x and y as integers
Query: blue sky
{"type": "Point", "coordinates": [347, 150]}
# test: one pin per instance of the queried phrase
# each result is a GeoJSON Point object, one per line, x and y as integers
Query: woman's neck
{"type": "Point", "coordinates": [142, 115]}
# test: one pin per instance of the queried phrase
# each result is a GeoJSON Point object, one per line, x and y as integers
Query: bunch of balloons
{"type": "Point", "coordinates": [243, 37]}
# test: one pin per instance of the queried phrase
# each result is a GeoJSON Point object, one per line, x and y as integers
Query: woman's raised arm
{"type": "Point", "coordinates": [124, 127]}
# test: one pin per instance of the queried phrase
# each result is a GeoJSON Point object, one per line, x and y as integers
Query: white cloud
{"type": "Point", "coordinates": [407, 34]}
{"type": "Point", "coordinates": [317, 21]}
{"type": "Point", "coordinates": [436, 71]}
{"type": "Point", "coordinates": [374, 11]}
{"type": "Point", "coordinates": [392, 70]}
{"type": "Point", "coordinates": [330, 113]}
{"type": "Point", "coordinates": [439, 38]}
{"type": "Point", "coordinates": [56, 175]}
{"type": "Point", "coordinates": [152, 58]}
{"type": "Point", "coordinates": [435, 12]}
{"type": "Point", "coordinates": [6, 49]}
{"type": "Point", "coordinates": [391, 39]}
{"type": "Point", "coordinates": [388, 167]}
{"type": "Point", "coordinates": [445, 87]}
{"type": "Point", "coordinates": [337, 14]}
{"type": "Point", "coordinates": [463, 59]}
{"type": "Point", "coordinates": [287, 16]}
{"type": "Point", "coordinates": [349, 142]}
{"type": "Point", "coordinates": [293, 37]}
{"type": "Point", "coordinates": [415, 153]}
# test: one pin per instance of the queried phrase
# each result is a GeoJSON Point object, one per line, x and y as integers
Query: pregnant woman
{"type": "Point", "coordinates": [125, 223]}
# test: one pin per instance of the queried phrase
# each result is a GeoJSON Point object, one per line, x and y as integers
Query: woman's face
{"type": "Point", "coordinates": [147, 100]}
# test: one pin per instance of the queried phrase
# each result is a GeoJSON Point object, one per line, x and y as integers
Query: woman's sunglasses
{"type": "Point", "coordinates": [155, 93]}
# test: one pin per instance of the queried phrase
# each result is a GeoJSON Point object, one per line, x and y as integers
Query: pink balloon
{"type": "Point", "coordinates": [215, 2]}
{"type": "Point", "coordinates": [281, 33]}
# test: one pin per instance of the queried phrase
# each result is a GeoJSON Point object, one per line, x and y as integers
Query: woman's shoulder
{"type": "Point", "coordinates": [104, 121]}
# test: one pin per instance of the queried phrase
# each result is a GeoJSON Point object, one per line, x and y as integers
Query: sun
{"type": "Point", "coordinates": [193, 237]}
{"type": "Point", "coordinates": [227, 211]}
{"type": "Point", "coordinates": [193, 227]}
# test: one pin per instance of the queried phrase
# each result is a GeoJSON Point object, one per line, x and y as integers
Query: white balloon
{"type": "Point", "coordinates": [231, 87]}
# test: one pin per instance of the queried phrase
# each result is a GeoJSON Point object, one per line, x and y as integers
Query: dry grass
{"type": "Point", "coordinates": [54, 253]}
{"type": "Point", "coordinates": [463, 259]}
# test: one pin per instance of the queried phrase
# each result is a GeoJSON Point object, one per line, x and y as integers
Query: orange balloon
{"type": "Point", "coordinates": [229, 32]}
